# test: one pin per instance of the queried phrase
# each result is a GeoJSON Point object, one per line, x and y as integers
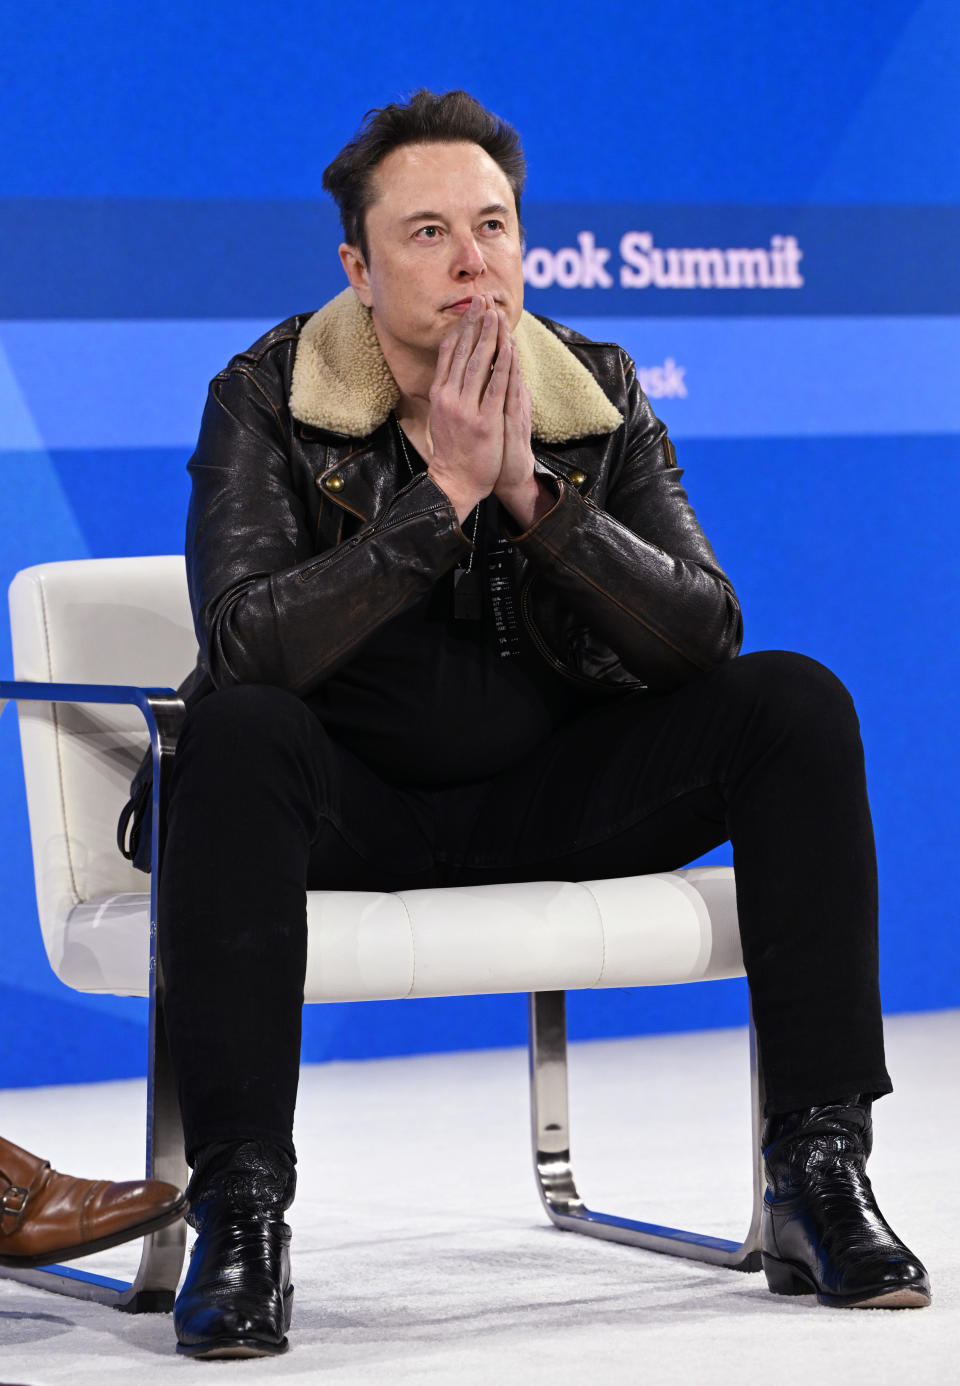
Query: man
{"type": "Point", "coordinates": [459, 624]}
{"type": "Point", "coordinates": [48, 1217]}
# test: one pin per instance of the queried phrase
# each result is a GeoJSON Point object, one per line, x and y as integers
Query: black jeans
{"type": "Point", "coordinates": [764, 750]}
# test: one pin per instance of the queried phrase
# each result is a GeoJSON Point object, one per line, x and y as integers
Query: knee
{"type": "Point", "coordinates": [795, 690]}
{"type": "Point", "coordinates": [242, 721]}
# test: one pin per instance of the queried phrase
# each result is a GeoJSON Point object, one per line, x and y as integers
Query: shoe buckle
{"type": "Point", "coordinates": [16, 1209]}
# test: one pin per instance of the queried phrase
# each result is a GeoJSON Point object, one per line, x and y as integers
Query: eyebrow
{"type": "Point", "coordinates": [438, 216]}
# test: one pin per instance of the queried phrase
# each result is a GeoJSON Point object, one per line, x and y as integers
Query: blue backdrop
{"type": "Point", "coordinates": [762, 205]}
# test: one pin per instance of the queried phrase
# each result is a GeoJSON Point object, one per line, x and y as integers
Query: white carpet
{"type": "Point", "coordinates": [421, 1254]}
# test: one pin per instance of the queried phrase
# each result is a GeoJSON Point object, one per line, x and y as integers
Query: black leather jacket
{"type": "Point", "coordinates": [300, 543]}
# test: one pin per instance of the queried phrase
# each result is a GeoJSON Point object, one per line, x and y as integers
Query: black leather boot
{"type": "Point", "coordinates": [237, 1298]}
{"type": "Point", "coordinates": [821, 1230]}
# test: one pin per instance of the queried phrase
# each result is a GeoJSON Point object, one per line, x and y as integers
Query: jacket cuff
{"type": "Point", "coordinates": [419, 497]}
{"type": "Point", "coordinates": [420, 493]}
{"type": "Point", "coordinates": [552, 484]}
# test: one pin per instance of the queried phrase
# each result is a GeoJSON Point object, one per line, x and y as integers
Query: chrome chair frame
{"type": "Point", "coordinates": [154, 1286]}
{"type": "Point", "coordinates": [550, 1123]}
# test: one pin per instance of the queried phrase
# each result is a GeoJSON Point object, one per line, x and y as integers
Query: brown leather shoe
{"type": "Point", "coordinates": [46, 1216]}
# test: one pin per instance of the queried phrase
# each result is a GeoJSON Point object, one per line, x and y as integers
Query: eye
{"type": "Point", "coordinates": [493, 224]}
{"type": "Point", "coordinates": [428, 233]}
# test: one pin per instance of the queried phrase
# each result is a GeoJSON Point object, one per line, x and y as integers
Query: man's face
{"type": "Point", "coordinates": [443, 226]}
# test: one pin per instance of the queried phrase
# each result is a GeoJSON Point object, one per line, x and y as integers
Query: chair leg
{"type": "Point", "coordinates": [153, 1288]}
{"type": "Point", "coordinates": [551, 1154]}
{"type": "Point", "coordinates": [155, 1284]}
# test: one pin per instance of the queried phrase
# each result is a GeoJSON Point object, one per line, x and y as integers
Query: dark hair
{"type": "Point", "coordinates": [425, 119]}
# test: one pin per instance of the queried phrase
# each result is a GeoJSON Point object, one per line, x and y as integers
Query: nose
{"type": "Point", "coordinates": [468, 262]}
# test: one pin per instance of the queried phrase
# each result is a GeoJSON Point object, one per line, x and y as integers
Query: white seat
{"type": "Point", "coordinates": [127, 622]}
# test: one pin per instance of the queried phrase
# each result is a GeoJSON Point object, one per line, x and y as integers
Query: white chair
{"type": "Point", "coordinates": [96, 645]}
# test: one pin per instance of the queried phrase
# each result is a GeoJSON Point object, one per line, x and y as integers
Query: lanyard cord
{"type": "Point", "coordinates": [476, 513]}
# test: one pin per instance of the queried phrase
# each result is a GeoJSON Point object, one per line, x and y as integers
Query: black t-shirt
{"type": "Point", "coordinates": [433, 700]}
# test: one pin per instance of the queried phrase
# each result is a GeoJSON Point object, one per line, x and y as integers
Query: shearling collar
{"type": "Point", "coordinates": [342, 382]}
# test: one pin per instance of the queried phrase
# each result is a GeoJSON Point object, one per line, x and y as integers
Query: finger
{"type": "Point", "coordinates": [522, 389]}
{"type": "Point", "coordinates": [465, 342]}
{"type": "Point", "coordinates": [525, 397]}
{"type": "Point", "coordinates": [506, 353]}
{"type": "Point", "coordinates": [477, 369]}
{"type": "Point", "coordinates": [463, 330]}
{"type": "Point", "coordinates": [502, 348]}
{"type": "Point", "coordinates": [445, 357]}
{"type": "Point", "coordinates": [496, 391]}
{"type": "Point", "coordinates": [513, 385]}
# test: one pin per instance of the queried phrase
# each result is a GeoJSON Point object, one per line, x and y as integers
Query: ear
{"type": "Point", "coordinates": [356, 271]}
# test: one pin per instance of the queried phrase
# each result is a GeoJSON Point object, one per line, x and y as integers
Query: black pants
{"type": "Point", "coordinates": [764, 750]}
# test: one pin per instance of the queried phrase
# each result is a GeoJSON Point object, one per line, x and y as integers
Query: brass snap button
{"type": "Point", "coordinates": [578, 478]}
{"type": "Point", "coordinates": [334, 483]}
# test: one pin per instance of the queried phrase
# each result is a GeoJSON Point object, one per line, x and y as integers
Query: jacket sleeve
{"type": "Point", "coordinates": [267, 607]}
{"type": "Point", "coordinates": [639, 573]}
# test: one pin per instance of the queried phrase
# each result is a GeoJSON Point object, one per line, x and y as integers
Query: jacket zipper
{"type": "Point", "coordinates": [539, 643]}
{"type": "Point", "coordinates": [359, 538]}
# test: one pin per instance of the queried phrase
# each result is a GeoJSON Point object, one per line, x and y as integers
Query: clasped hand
{"type": "Point", "coordinates": [480, 416]}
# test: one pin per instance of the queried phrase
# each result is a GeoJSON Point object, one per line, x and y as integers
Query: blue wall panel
{"type": "Point", "coordinates": [160, 206]}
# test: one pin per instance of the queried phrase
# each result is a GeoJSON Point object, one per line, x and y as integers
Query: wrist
{"type": "Point", "coordinates": [462, 498]}
{"type": "Point", "coordinates": [527, 502]}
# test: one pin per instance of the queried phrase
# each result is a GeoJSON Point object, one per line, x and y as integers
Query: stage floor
{"type": "Point", "coordinates": [421, 1254]}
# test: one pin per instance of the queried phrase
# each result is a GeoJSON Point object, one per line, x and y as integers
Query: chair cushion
{"type": "Point", "coordinates": [678, 926]}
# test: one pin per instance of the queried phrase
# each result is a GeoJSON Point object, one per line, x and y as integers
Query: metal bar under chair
{"type": "Point", "coordinates": [550, 1122]}
{"type": "Point", "coordinates": [153, 1287]}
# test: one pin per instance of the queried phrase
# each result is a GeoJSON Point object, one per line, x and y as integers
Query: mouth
{"type": "Point", "coordinates": [462, 304]}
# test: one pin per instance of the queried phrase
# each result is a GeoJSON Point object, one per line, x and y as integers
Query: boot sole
{"type": "Point", "coordinates": [233, 1347]}
{"type": "Point", "coordinates": [785, 1278]}
{"type": "Point", "coordinates": [73, 1253]}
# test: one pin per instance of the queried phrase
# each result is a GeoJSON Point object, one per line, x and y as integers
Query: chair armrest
{"type": "Point", "coordinates": [163, 711]}
{"type": "Point", "coordinates": [146, 699]}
